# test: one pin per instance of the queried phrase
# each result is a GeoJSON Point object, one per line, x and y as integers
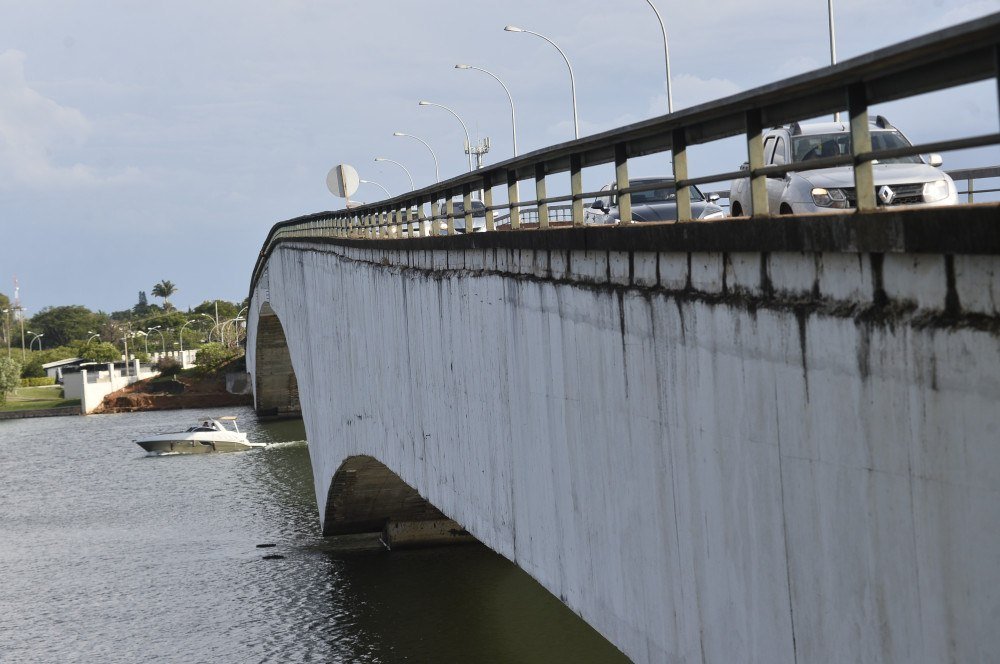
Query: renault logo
{"type": "Point", "coordinates": [886, 195]}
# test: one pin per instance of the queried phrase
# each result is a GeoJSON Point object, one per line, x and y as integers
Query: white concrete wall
{"type": "Point", "coordinates": [91, 394]}
{"type": "Point", "coordinates": [703, 477]}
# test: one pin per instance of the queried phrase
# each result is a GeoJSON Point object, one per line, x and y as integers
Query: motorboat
{"type": "Point", "coordinates": [210, 435]}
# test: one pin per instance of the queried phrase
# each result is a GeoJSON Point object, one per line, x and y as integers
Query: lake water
{"type": "Point", "coordinates": [109, 555]}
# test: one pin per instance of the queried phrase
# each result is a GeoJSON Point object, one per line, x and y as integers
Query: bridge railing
{"type": "Point", "coordinates": [963, 54]}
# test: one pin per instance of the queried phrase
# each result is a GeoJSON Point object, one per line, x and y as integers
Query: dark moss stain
{"type": "Point", "coordinates": [864, 348]}
{"type": "Point", "coordinates": [802, 318]}
{"type": "Point", "coordinates": [624, 336]}
{"type": "Point", "coordinates": [766, 286]}
{"type": "Point", "coordinates": [818, 265]}
{"type": "Point", "coordinates": [879, 298]}
{"type": "Point", "coordinates": [631, 267]}
{"type": "Point", "coordinates": [726, 267]}
{"type": "Point", "coordinates": [687, 282]}
{"type": "Point", "coordinates": [952, 305]}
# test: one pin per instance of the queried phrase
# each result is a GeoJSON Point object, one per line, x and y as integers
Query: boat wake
{"type": "Point", "coordinates": [287, 443]}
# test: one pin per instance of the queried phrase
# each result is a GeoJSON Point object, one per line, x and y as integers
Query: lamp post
{"type": "Point", "coordinates": [6, 320]}
{"type": "Point", "coordinates": [513, 119]}
{"type": "Point", "coordinates": [210, 331]}
{"type": "Point", "coordinates": [833, 44]}
{"type": "Point", "coordinates": [377, 185]}
{"type": "Point", "coordinates": [468, 139]}
{"type": "Point", "coordinates": [181, 335]}
{"type": "Point", "coordinates": [145, 341]}
{"type": "Point", "coordinates": [437, 169]}
{"type": "Point", "coordinates": [666, 54]}
{"type": "Point", "coordinates": [163, 343]}
{"type": "Point", "coordinates": [91, 337]}
{"type": "Point", "coordinates": [572, 80]}
{"type": "Point", "coordinates": [405, 170]}
{"type": "Point", "coordinates": [34, 337]}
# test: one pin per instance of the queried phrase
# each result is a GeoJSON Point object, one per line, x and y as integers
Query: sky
{"type": "Point", "coordinates": [142, 141]}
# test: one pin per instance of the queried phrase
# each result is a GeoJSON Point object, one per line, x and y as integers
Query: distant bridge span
{"type": "Point", "coordinates": [769, 440]}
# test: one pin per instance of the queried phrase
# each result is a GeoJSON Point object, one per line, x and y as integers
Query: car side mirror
{"type": "Point", "coordinates": [934, 159]}
{"type": "Point", "coordinates": [597, 205]}
{"type": "Point", "coordinates": [712, 198]}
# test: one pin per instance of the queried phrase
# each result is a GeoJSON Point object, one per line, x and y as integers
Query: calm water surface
{"type": "Point", "coordinates": [109, 555]}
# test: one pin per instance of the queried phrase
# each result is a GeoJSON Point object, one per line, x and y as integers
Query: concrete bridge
{"type": "Point", "coordinates": [767, 439]}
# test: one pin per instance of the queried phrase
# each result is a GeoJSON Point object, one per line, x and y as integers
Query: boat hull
{"type": "Point", "coordinates": [193, 446]}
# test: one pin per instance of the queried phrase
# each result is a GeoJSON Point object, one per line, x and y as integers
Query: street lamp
{"type": "Point", "coordinates": [833, 45]}
{"type": "Point", "coordinates": [468, 139]}
{"type": "Point", "coordinates": [666, 53]}
{"type": "Point", "coordinates": [572, 80]}
{"type": "Point", "coordinates": [34, 337]}
{"type": "Point", "coordinates": [393, 161]}
{"type": "Point", "coordinates": [437, 170]}
{"type": "Point", "coordinates": [6, 319]}
{"type": "Point", "coordinates": [513, 120]}
{"type": "Point", "coordinates": [377, 185]}
{"type": "Point", "coordinates": [145, 340]}
{"type": "Point", "coordinates": [163, 343]}
{"type": "Point", "coordinates": [91, 338]}
{"type": "Point", "coordinates": [181, 335]}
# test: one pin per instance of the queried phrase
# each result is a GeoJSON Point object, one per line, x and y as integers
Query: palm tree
{"type": "Point", "coordinates": [164, 289]}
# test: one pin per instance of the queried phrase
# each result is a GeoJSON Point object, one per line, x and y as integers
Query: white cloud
{"type": "Point", "coordinates": [33, 128]}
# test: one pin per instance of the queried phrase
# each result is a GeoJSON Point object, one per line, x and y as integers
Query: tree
{"type": "Point", "coordinates": [164, 289]}
{"type": "Point", "coordinates": [10, 377]}
{"type": "Point", "coordinates": [227, 310]}
{"type": "Point", "coordinates": [142, 306]}
{"type": "Point", "coordinates": [101, 352]}
{"type": "Point", "coordinates": [213, 356]}
{"type": "Point", "coordinates": [60, 325]}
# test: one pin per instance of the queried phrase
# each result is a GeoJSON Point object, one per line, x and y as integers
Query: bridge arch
{"type": "Point", "coordinates": [366, 496]}
{"type": "Point", "coordinates": [276, 388]}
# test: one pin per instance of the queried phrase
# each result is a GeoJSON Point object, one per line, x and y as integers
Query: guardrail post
{"type": "Point", "coordinates": [488, 202]}
{"type": "Point", "coordinates": [512, 200]}
{"type": "Point", "coordinates": [861, 141]}
{"type": "Point", "coordinates": [467, 206]}
{"type": "Point", "coordinates": [432, 226]}
{"type": "Point", "coordinates": [576, 188]}
{"type": "Point", "coordinates": [543, 207]}
{"type": "Point", "coordinates": [449, 210]}
{"type": "Point", "coordinates": [621, 182]}
{"type": "Point", "coordinates": [755, 157]}
{"type": "Point", "coordinates": [678, 153]}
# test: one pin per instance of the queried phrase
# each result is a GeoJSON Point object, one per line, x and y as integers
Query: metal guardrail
{"type": "Point", "coordinates": [955, 56]}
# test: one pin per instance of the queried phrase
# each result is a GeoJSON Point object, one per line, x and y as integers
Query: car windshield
{"type": "Point", "coordinates": [661, 194]}
{"type": "Point", "coordinates": [815, 146]}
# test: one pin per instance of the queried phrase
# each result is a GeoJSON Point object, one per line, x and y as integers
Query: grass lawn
{"type": "Point", "coordinates": [36, 398]}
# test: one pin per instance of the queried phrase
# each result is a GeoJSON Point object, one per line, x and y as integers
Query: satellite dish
{"type": "Point", "coordinates": [342, 181]}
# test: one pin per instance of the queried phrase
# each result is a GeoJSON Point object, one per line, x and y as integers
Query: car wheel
{"type": "Point", "coordinates": [785, 209]}
{"type": "Point", "coordinates": [736, 210]}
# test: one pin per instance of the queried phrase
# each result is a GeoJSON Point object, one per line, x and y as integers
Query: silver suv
{"type": "Point", "coordinates": [900, 181]}
{"type": "Point", "coordinates": [659, 204]}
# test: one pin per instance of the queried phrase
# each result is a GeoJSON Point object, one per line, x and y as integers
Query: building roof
{"type": "Point", "coordinates": [62, 363]}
